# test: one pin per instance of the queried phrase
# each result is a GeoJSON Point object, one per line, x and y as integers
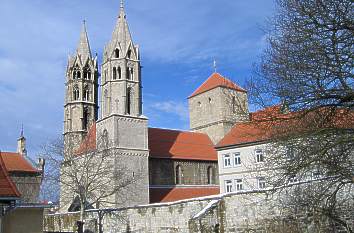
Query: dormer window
{"type": "Point", "coordinates": [116, 53]}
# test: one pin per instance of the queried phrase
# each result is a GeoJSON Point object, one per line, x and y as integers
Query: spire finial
{"type": "Point", "coordinates": [21, 131]}
{"type": "Point", "coordinates": [214, 65]}
{"type": "Point", "coordinates": [121, 3]}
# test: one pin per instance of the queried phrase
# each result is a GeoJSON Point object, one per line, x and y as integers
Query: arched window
{"type": "Point", "coordinates": [127, 73]}
{"type": "Point", "coordinates": [75, 72]}
{"type": "Point", "coordinates": [128, 104]}
{"type": "Point", "coordinates": [210, 174]}
{"type": "Point", "coordinates": [114, 73]}
{"type": "Point", "coordinates": [78, 74]}
{"type": "Point", "coordinates": [119, 73]}
{"type": "Point", "coordinates": [131, 74]}
{"type": "Point", "coordinates": [116, 53]}
{"type": "Point", "coordinates": [129, 54]}
{"type": "Point", "coordinates": [89, 74]}
{"type": "Point", "coordinates": [85, 117]}
{"type": "Point", "coordinates": [178, 174]}
{"type": "Point", "coordinates": [86, 94]}
{"type": "Point", "coordinates": [76, 93]}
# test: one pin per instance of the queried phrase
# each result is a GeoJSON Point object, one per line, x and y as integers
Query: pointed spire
{"type": "Point", "coordinates": [121, 37]}
{"type": "Point", "coordinates": [83, 47]}
{"type": "Point", "coordinates": [21, 136]}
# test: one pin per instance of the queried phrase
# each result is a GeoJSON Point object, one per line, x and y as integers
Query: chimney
{"type": "Point", "coordinates": [21, 144]}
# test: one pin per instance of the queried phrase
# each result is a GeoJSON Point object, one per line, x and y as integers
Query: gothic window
{"type": "Point", "coordinates": [131, 74]}
{"type": "Point", "coordinates": [119, 73]}
{"type": "Point", "coordinates": [127, 73]}
{"type": "Point", "coordinates": [114, 73]}
{"type": "Point", "coordinates": [116, 53]}
{"type": "Point", "coordinates": [178, 174]}
{"type": "Point", "coordinates": [129, 54]}
{"type": "Point", "coordinates": [128, 104]}
{"type": "Point", "coordinates": [78, 74]}
{"type": "Point", "coordinates": [87, 73]}
{"type": "Point", "coordinates": [210, 174]}
{"type": "Point", "coordinates": [85, 118]}
{"type": "Point", "coordinates": [86, 94]}
{"type": "Point", "coordinates": [76, 93]}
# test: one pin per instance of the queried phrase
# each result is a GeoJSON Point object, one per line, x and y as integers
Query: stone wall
{"type": "Point", "coordinates": [162, 172]}
{"type": "Point", "coordinates": [235, 212]}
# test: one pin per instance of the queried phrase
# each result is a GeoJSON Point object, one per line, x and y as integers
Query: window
{"type": "Point", "coordinates": [85, 119]}
{"type": "Point", "coordinates": [228, 186]}
{"type": "Point", "coordinates": [76, 93]}
{"type": "Point", "coordinates": [86, 95]}
{"type": "Point", "coordinates": [131, 74]}
{"type": "Point", "coordinates": [227, 161]}
{"type": "Point", "coordinates": [119, 73]}
{"type": "Point", "coordinates": [293, 179]}
{"type": "Point", "coordinates": [116, 53]}
{"type": "Point", "coordinates": [129, 54]}
{"type": "Point", "coordinates": [290, 154]}
{"type": "Point", "coordinates": [114, 73]}
{"type": "Point", "coordinates": [210, 174]}
{"type": "Point", "coordinates": [87, 72]}
{"type": "Point", "coordinates": [237, 158]}
{"type": "Point", "coordinates": [178, 173]}
{"type": "Point", "coordinates": [316, 175]}
{"type": "Point", "coordinates": [261, 183]}
{"type": "Point", "coordinates": [128, 104]}
{"type": "Point", "coordinates": [239, 185]}
{"type": "Point", "coordinates": [209, 100]}
{"type": "Point", "coordinates": [259, 156]}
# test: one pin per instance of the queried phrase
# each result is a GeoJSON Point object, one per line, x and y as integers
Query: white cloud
{"type": "Point", "coordinates": [179, 109]}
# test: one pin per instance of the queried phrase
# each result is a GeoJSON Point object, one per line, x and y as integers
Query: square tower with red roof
{"type": "Point", "coordinates": [216, 105]}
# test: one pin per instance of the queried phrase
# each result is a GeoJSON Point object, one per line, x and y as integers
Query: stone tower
{"type": "Point", "coordinates": [216, 106]}
{"type": "Point", "coordinates": [121, 121]}
{"type": "Point", "coordinates": [81, 97]}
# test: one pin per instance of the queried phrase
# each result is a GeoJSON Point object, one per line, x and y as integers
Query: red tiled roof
{"type": "Point", "coordinates": [15, 162]}
{"type": "Point", "coordinates": [7, 187]}
{"type": "Point", "coordinates": [180, 193]}
{"type": "Point", "coordinates": [270, 123]}
{"type": "Point", "coordinates": [166, 143]}
{"type": "Point", "coordinates": [216, 80]}
{"type": "Point", "coordinates": [89, 143]}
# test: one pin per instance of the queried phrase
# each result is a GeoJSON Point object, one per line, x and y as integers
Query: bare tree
{"type": "Point", "coordinates": [308, 66]}
{"type": "Point", "coordinates": [89, 175]}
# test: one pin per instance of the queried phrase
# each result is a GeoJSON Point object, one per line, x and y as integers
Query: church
{"type": "Point", "coordinates": [173, 164]}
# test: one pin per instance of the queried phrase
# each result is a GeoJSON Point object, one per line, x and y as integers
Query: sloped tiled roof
{"type": "Point", "coordinates": [7, 187]}
{"type": "Point", "coordinates": [180, 193]}
{"type": "Point", "coordinates": [175, 144]}
{"type": "Point", "coordinates": [216, 80]}
{"type": "Point", "coordinates": [89, 143]}
{"type": "Point", "coordinates": [270, 123]}
{"type": "Point", "coordinates": [15, 162]}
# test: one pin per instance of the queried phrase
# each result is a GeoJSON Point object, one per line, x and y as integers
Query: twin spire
{"type": "Point", "coordinates": [83, 47]}
{"type": "Point", "coordinates": [121, 37]}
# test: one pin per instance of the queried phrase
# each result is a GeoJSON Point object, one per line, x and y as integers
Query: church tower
{"type": "Point", "coordinates": [81, 97]}
{"type": "Point", "coordinates": [121, 121]}
{"type": "Point", "coordinates": [216, 105]}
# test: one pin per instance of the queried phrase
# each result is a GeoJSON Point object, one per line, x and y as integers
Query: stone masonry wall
{"type": "Point", "coordinates": [234, 212]}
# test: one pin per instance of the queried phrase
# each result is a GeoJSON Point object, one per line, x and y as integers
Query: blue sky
{"type": "Point", "coordinates": [178, 42]}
